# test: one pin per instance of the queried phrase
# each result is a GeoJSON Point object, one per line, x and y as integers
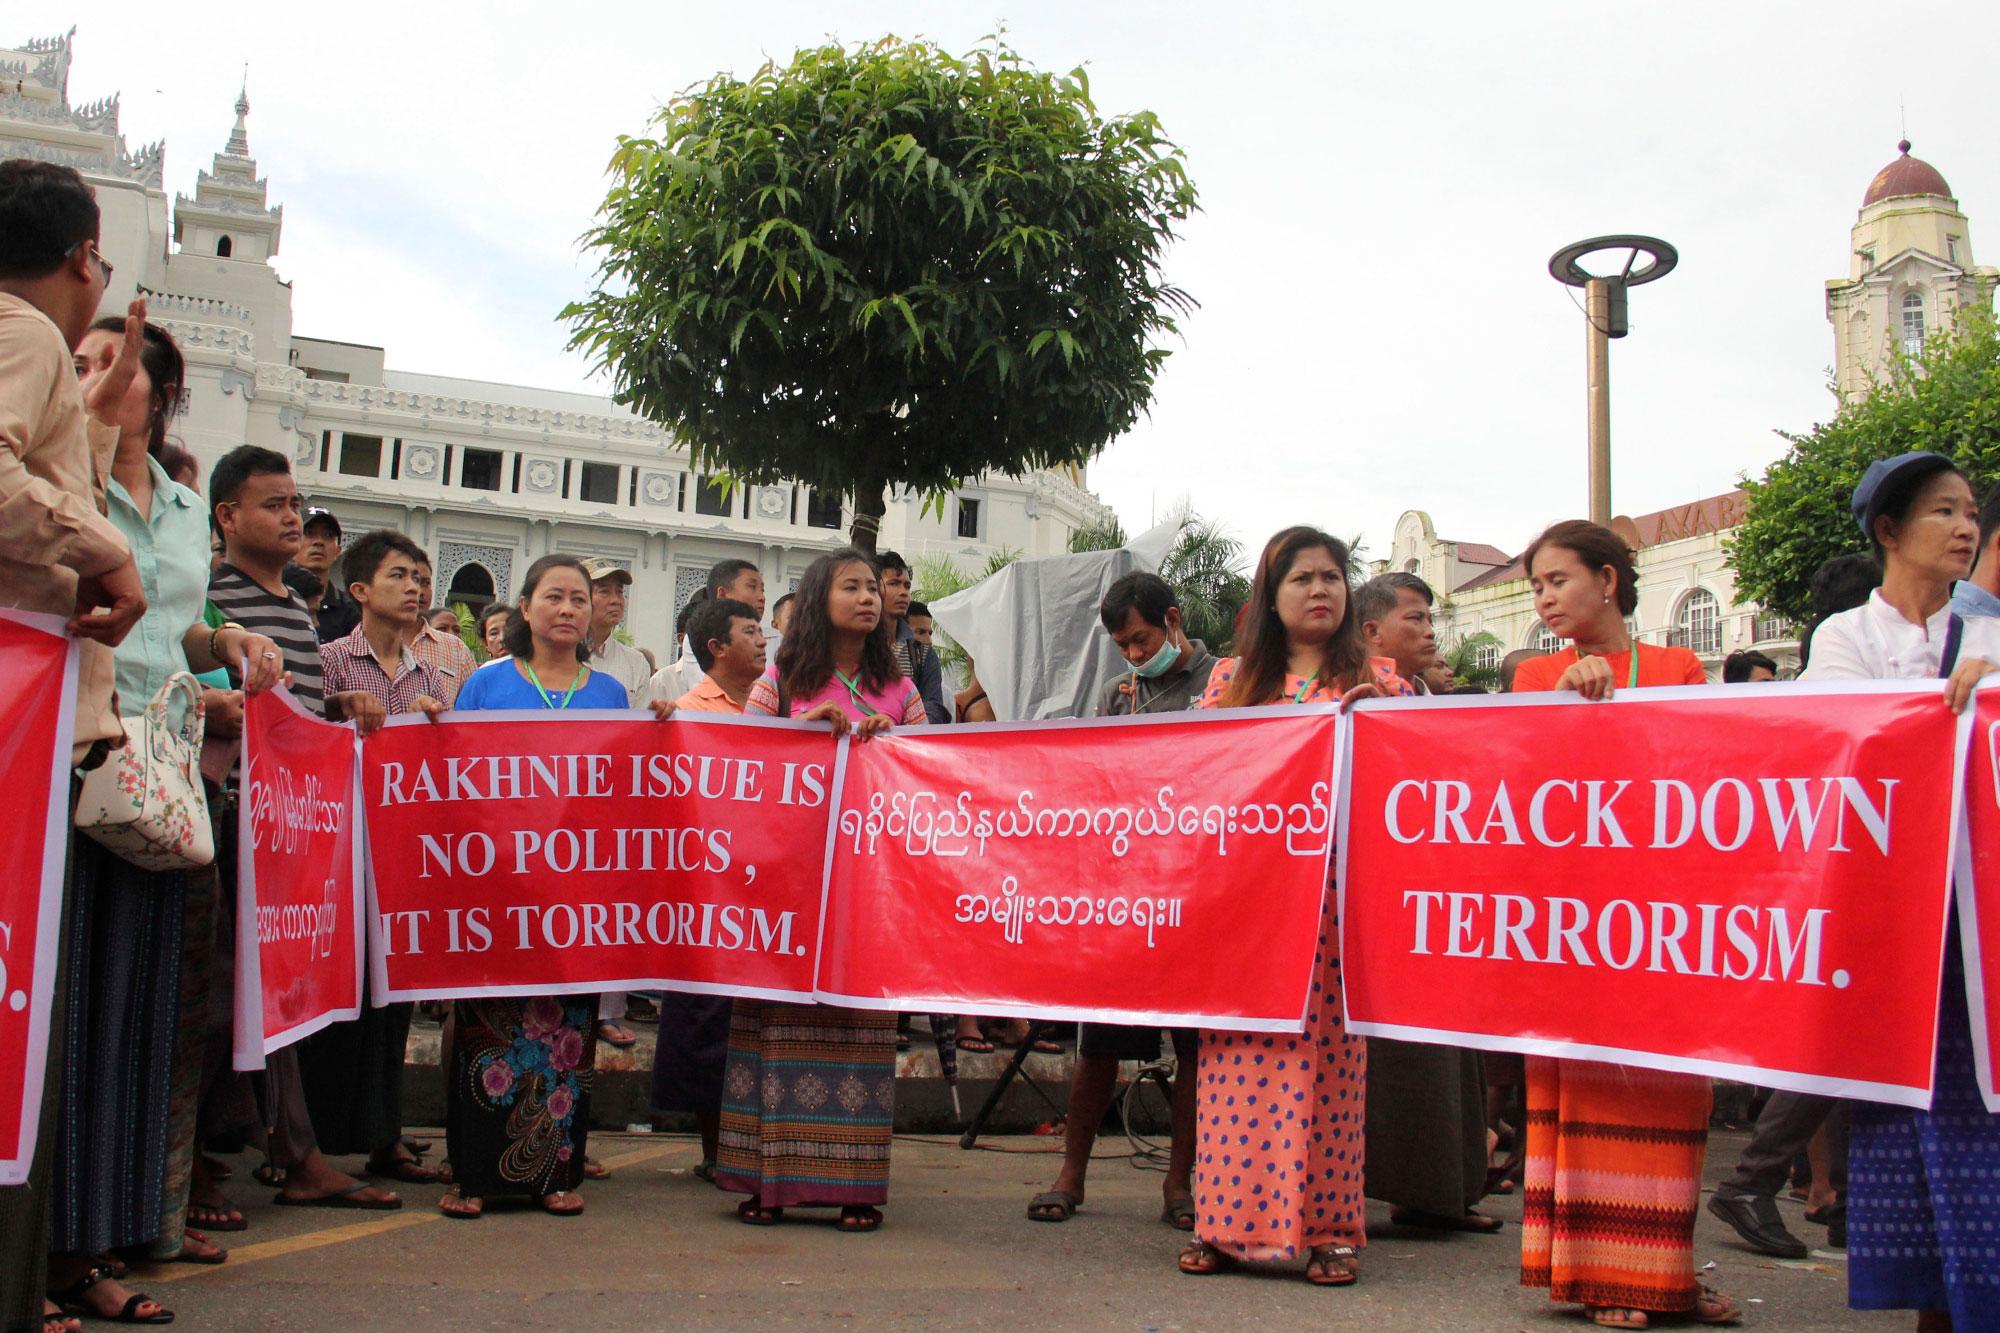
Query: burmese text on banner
{"type": "Point", "coordinates": [1979, 891]}
{"type": "Point", "coordinates": [1746, 882]}
{"type": "Point", "coordinates": [37, 720]}
{"type": "Point", "coordinates": [1163, 870]}
{"type": "Point", "coordinates": [529, 853]}
{"type": "Point", "coordinates": [298, 881]}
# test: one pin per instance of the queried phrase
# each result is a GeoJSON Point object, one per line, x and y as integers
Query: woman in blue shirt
{"type": "Point", "coordinates": [517, 1093]}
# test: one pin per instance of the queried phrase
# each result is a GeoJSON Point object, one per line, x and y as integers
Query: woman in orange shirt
{"type": "Point", "coordinates": [1614, 1153]}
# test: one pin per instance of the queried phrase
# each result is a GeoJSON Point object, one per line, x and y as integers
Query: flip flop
{"type": "Point", "coordinates": [751, 1214]}
{"type": "Point", "coordinates": [407, 1170]}
{"type": "Point", "coordinates": [859, 1218]}
{"type": "Point", "coordinates": [216, 1217]}
{"type": "Point", "coordinates": [1179, 1214]}
{"type": "Point", "coordinates": [343, 1199]}
{"type": "Point", "coordinates": [975, 1045]}
{"type": "Point", "coordinates": [1054, 1206]}
{"type": "Point", "coordinates": [627, 1039]}
{"type": "Point", "coordinates": [189, 1236]}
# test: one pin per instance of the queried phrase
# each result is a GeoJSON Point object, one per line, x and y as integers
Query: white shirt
{"type": "Point", "coordinates": [1875, 642]}
{"type": "Point", "coordinates": [624, 664]}
{"type": "Point", "coordinates": [673, 680]}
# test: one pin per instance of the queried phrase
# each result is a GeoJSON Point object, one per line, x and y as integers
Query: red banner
{"type": "Point", "coordinates": [524, 853]}
{"type": "Point", "coordinates": [298, 878]}
{"type": "Point", "coordinates": [1979, 891]}
{"type": "Point", "coordinates": [1164, 870]}
{"type": "Point", "coordinates": [1738, 881]}
{"type": "Point", "coordinates": [37, 721]}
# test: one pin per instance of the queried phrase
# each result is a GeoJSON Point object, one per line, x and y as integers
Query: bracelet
{"type": "Point", "coordinates": [215, 638]}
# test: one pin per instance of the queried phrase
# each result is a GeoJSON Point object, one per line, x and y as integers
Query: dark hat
{"type": "Point", "coordinates": [1888, 480]}
{"type": "Point", "coordinates": [320, 517]}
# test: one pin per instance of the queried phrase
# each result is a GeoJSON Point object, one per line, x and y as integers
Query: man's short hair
{"type": "Point", "coordinates": [304, 582]}
{"type": "Point", "coordinates": [1148, 594]}
{"type": "Point", "coordinates": [782, 603]}
{"type": "Point", "coordinates": [1377, 598]}
{"type": "Point", "coordinates": [1512, 663]}
{"type": "Point", "coordinates": [885, 561]}
{"type": "Point", "coordinates": [1736, 667]}
{"type": "Point", "coordinates": [1989, 518]}
{"type": "Point", "coordinates": [918, 609]}
{"type": "Point", "coordinates": [365, 558]}
{"type": "Point", "coordinates": [723, 573]}
{"type": "Point", "coordinates": [46, 212]}
{"type": "Point", "coordinates": [237, 466]}
{"type": "Point", "coordinates": [715, 619]}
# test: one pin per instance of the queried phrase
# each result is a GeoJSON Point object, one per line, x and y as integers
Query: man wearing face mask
{"type": "Point", "coordinates": [1167, 672]}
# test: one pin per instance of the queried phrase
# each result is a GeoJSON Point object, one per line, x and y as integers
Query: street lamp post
{"type": "Point", "coordinates": [1604, 308]}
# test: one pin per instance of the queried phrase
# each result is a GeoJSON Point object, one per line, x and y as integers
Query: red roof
{"type": "Point", "coordinates": [1479, 553]}
{"type": "Point", "coordinates": [1718, 513]}
{"type": "Point", "coordinates": [1906, 176]}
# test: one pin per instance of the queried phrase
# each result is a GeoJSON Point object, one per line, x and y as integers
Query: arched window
{"type": "Point", "coordinates": [223, 247]}
{"type": "Point", "coordinates": [1699, 625]}
{"type": "Point", "coordinates": [1487, 657]}
{"type": "Point", "coordinates": [1544, 639]}
{"type": "Point", "coordinates": [1913, 322]}
{"type": "Point", "coordinates": [471, 587]}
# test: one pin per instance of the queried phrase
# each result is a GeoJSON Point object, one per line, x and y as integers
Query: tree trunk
{"type": "Point", "coordinates": [870, 503]}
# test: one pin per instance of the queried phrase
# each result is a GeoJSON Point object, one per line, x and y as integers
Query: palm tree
{"type": "Point", "coordinates": [1204, 570]}
{"type": "Point", "coordinates": [1463, 659]}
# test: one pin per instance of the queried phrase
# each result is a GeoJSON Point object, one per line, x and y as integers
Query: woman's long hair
{"type": "Point", "coordinates": [517, 638]}
{"type": "Point", "coordinates": [805, 657]}
{"type": "Point", "coordinates": [1264, 649]}
{"type": "Point", "coordinates": [165, 367]}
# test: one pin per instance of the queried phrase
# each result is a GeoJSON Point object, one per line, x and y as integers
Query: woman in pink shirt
{"type": "Point", "coordinates": [809, 1093]}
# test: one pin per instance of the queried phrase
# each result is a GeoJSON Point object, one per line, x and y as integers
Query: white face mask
{"type": "Point", "coordinates": [1161, 662]}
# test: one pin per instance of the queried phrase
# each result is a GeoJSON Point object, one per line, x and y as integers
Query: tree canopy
{"type": "Point", "coordinates": [1946, 400]}
{"type": "Point", "coordinates": [886, 265]}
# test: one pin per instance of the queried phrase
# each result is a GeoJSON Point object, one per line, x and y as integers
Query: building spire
{"type": "Point", "coordinates": [239, 138]}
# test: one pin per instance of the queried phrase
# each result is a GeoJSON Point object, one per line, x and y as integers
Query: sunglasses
{"type": "Point", "coordinates": [102, 263]}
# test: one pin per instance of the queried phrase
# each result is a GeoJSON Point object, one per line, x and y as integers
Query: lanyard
{"type": "Point", "coordinates": [854, 692]}
{"type": "Point", "coordinates": [1305, 688]}
{"type": "Point", "coordinates": [1632, 680]}
{"type": "Point", "coordinates": [547, 701]}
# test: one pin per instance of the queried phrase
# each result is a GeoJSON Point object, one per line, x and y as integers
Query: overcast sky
{"type": "Point", "coordinates": [1381, 189]}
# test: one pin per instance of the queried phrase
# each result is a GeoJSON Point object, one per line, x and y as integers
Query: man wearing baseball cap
{"type": "Point", "coordinates": [609, 583]}
{"type": "Point", "coordinates": [337, 615]}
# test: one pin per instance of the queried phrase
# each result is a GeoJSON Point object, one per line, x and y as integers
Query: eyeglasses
{"type": "Point", "coordinates": [106, 265]}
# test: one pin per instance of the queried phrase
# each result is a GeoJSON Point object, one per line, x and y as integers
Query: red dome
{"type": "Point", "coordinates": [1906, 175]}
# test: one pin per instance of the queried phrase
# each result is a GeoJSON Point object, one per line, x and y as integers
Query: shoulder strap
{"type": "Point", "coordinates": [1952, 638]}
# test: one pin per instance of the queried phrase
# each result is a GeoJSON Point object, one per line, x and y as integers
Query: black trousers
{"type": "Point", "coordinates": [1787, 1124]}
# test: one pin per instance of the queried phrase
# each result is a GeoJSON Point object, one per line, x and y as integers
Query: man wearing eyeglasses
{"type": "Point", "coordinates": [58, 552]}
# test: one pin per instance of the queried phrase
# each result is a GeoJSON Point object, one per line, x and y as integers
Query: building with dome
{"type": "Point", "coordinates": [1911, 272]}
{"type": "Point", "coordinates": [485, 476]}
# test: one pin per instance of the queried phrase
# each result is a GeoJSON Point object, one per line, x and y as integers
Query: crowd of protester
{"type": "Point", "coordinates": [105, 521]}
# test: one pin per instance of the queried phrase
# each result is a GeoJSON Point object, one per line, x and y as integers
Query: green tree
{"type": "Point", "coordinates": [1204, 569]}
{"type": "Point", "coordinates": [884, 264]}
{"type": "Point", "coordinates": [1946, 399]}
{"type": "Point", "coordinates": [1106, 536]}
{"type": "Point", "coordinates": [1463, 659]}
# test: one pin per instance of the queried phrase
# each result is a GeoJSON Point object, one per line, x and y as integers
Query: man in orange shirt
{"type": "Point", "coordinates": [694, 1029]}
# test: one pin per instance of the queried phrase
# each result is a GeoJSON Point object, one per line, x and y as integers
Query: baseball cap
{"type": "Point", "coordinates": [318, 516]}
{"type": "Point", "coordinates": [1887, 480]}
{"type": "Point", "coordinates": [597, 567]}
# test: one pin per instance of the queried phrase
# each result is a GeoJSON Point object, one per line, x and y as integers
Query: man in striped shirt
{"type": "Point", "coordinates": [256, 507]}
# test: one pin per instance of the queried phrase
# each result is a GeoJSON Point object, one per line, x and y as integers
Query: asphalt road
{"type": "Point", "coordinates": [659, 1249]}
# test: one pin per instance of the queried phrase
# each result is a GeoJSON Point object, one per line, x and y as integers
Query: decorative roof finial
{"type": "Point", "coordinates": [1904, 147]}
{"type": "Point", "coordinates": [239, 138]}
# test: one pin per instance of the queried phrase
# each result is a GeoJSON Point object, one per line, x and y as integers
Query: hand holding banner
{"type": "Point", "coordinates": [1166, 870]}
{"type": "Point", "coordinates": [298, 922]}
{"type": "Point", "coordinates": [1734, 881]}
{"type": "Point", "coordinates": [1979, 891]}
{"type": "Point", "coordinates": [37, 721]}
{"type": "Point", "coordinates": [518, 853]}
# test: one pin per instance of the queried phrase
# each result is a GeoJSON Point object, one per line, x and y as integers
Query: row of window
{"type": "Point", "coordinates": [1698, 627]}
{"type": "Point", "coordinates": [479, 469]}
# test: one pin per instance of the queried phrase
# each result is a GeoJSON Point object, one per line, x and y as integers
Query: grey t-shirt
{"type": "Point", "coordinates": [1174, 692]}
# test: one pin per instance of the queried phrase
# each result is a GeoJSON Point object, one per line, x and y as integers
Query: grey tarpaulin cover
{"type": "Point", "coordinates": [1032, 629]}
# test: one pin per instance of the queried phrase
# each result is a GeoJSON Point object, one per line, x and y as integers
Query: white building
{"type": "Point", "coordinates": [486, 476]}
{"type": "Point", "coordinates": [1912, 270]}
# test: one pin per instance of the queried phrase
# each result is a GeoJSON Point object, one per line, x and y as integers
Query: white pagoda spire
{"type": "Point", "coordinates": [239, 138]}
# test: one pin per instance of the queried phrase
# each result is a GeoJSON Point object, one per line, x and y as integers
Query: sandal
{"type": "Point", "coordinates": [408, 1170]}
{"type": "Point", "coordinates": [1199, 1259]}
{"type": "Point", "coordinates": [55, 1321]}
{"type": "Point", "coordinates": [1712, 1307]}
{"type": "Point", "coordinates": [1336, 1264]}
{"type": "Point", "coordinates": [215, 1217]}
{"type": "Point", "coordinates": [975, 1045]}
{"type": "Point", "coordinates": [1043, 1046]}
{"type": "Point", "coordinates": [270, 1173]}
{"type": "Point", "coordinates": [594, 1169]}
{"type": "Point", "coordinates": [72, 1298]}
{"type": "Point", "coordinates": [463, 1207]}
{"type": "Point", "coordinates": [347, 1198]}
{"type": "Point", "coordinates": [1054, 1206]}
{"type": "Point", "coordinates": [750, 1213]}
{"type": "Point", "coordinates": [616, 1034]}
{"type": "Point", "coordinates": [563, 1203]}
{"type": "Point", "coordinates": [704, 1170]}
{"type": "Point", "coordinates": [1179, 1213]}
{"type": "Point", "coordinates": [197, 1249]}
{"type": "Point", "coordinates": [1616, 1316]}
{"type": "Point", "coordinates": [859, 1219]}
{"type": "Point", "coordinates": [1473, 1221]}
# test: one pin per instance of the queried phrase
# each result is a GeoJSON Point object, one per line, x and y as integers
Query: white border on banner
{"type": "Point", "coordinates": [1061, 1013]}
{"type": "Point", "coordinates": [378, 958]}
{"type": "Point", "coordinates": [1790, 1081]}
{"type": "Point", "coordinates": [252, 1044]}
{"type": "Point", "coordinates": [56, 835]}
{"type": "Point", "coordinates": [1965, 888]}
{"type": "Point", "coordinates": [836, 801]}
